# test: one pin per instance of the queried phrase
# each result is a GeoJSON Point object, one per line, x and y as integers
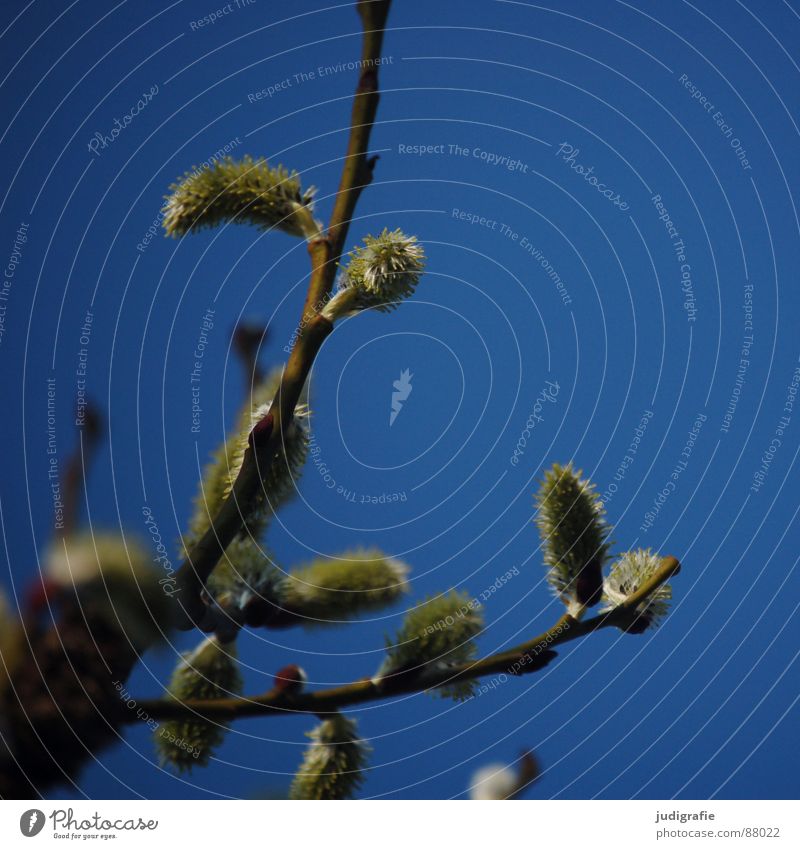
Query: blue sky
{"type": "Point", "coordinates": [636, 293]}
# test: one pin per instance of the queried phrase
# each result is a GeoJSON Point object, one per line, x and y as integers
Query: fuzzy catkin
{"type": "Point", "coordinates": [330, 591]}
{"type": "Point", "coordinates": [279, 482]}
{"type": "Point", "coordinates": [378, 275]}
{"type": "Point", "coordinates": [628, 574]}
{"type": "Point", "coordinates": [246, 191]}
{"type": "Point", "coordinates": [211, 671]}
{"type": "Point", "coordinates": [439, 633]}
{"type": "Point", "coordinates": [333, 764]}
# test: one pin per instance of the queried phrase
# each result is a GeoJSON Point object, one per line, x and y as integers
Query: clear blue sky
{"type": "Point", "coordinates": [693, 105]}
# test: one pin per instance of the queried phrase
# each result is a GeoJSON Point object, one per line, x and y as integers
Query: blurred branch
{"type": "Point", "coordinates": [247, 342]}
{"type": "Point", "coordinates": [78, 465]}
{"type": "Point", "coordinates": [518, 660]}
{"type": "Point", "coordinates": [324, 252]}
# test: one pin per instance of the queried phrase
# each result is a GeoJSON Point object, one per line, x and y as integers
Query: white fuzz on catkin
{"type": "Point", "coordinates": [378, 275]}
{"type": "Point", "coordinates": [627, 575]}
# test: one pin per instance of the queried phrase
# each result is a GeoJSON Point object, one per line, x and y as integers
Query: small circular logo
{"type": "Point", "coordinates": [31, 822]}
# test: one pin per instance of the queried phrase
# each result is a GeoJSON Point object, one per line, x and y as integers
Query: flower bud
{"type": "Point", "coordinates": [629, 573]}
{"type": "Point", "coordinates": [261, 432]}
{"type": "Point", "coordinates": [254, 429]}
{"type": "Point", "coordinates": [291, 679]}
{"type": "Point", "coordinates": [436, 635]}
{"type": "Point", "coordinates": [244, 588]}
{"type": "Point", "coordinates": [326, 592]}
{"type": "Point", "coordinates": [571, 520]}
{"type": "Point", "coordinates": [334, 762]}
{"type": "Point", "coordinates": [211, 671]}
{"type": "Point", "coordinates": [378, 275]}
{"type": "Point", "coordinates": [247, 191]}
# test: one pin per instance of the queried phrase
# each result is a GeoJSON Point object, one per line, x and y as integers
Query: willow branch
{"type": "Point", "coordinates": [324, 252]}
{"type": "Point", "coordinates": [513, 661]}
{"type": "Point", "coordinates": [357, 171]}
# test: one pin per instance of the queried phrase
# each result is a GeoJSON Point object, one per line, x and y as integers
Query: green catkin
{"type": "Point", "coordinates": [378, 275]}
{"type": "Point", "coordinates": [211, 671]}
{"type": "Point", "coordinates": [439, 632]}
{"type": "Point", "coordinates": [571, 520]}
{"type": "Point", "coordinates": [333, 764]}
{"type": "Point", "coordinates": [330, 591]}
{"type": "Point", "coordinates": [220, 474]}
{"type": "Point", "coordinates": [247, 191]}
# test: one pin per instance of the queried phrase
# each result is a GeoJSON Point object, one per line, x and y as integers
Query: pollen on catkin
{"type": "Point", "coordinates": [628, 574]}
{"type": "Point", "coordinates": [437, 634]}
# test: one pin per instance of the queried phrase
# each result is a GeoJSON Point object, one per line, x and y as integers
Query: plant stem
{"type": "Point", "coordinates": [357, 171]}
{"type": "Point", "coordinates": [324, 252]}
{"type": "Point", "coordinates": [508, 662]}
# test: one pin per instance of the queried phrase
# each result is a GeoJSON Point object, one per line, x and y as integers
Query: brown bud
{"type": "Point", "coordinates": [290, 679]}
{"type": "Point", "coordinates": [589, 584]}
{"type": "Point", "coordinates": [248, 338]}
{"type": "Point", "coordinates": [260, 434]}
